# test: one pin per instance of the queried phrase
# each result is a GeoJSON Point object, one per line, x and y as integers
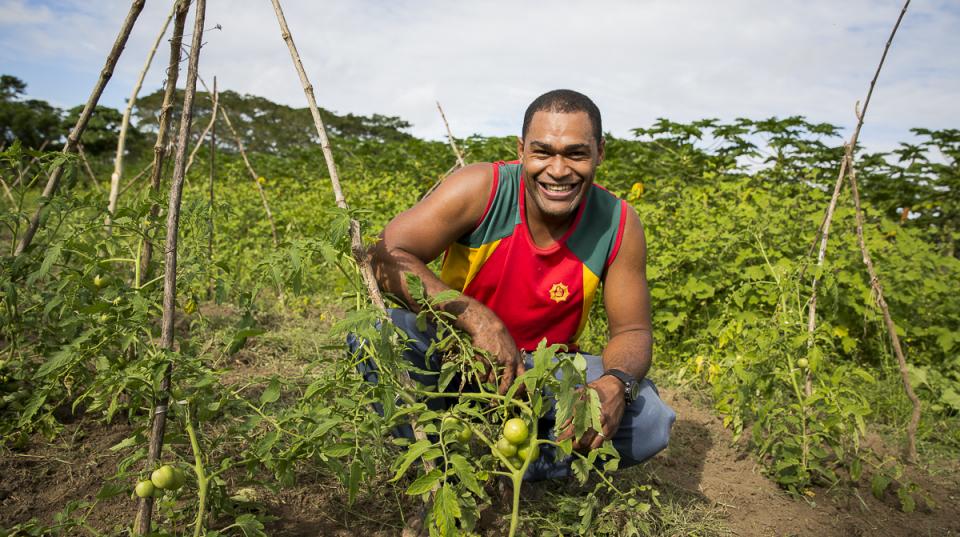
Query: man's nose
{"type": "Point", "coordinates": [557, 168]}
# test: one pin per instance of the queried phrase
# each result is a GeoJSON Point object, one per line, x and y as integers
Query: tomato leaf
{"type": "Point", "coordinates": [272, 393]}
{"type": "Point", "coordinates": [425, 482]}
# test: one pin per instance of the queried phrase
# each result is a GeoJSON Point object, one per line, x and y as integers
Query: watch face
{"type": "Point", "coordinates": [634, 390]}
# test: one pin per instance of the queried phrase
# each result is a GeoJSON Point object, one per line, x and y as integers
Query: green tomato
{"type": "Point", "coordinates": [465, 434]}
{"type": "Point", "coordinates": [144, 489]}
{"type": "Point", "coordinates": [515, 431]}
{"type": "Point", "coordinates": [98, 281]}
{"type": "Point", "coordinates": [529, 451]}
{"type": "Point", "coordinates": [505, 448]}
{"type": "Point", "coordinates": [164, 477]}
{"type": "Point", "coordinates": [803, 363]}
{"type": "Point", "coordinates": [179, 477]}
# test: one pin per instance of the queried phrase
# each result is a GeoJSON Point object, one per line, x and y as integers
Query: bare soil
{"type": "Point", "coordinates": [701, 468]}
{"type": "Point", "coordinates": [703, 462]}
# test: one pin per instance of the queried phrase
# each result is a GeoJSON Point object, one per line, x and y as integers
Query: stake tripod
{"type": "Point", "coordinates": [847, 171]}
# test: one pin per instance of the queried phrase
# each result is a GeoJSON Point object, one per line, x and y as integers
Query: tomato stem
{"type": "Point", "coordinates": [202, 482]}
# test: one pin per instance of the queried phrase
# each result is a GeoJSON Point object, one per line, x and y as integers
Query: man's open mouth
{"type": "Point", "coordinates": [558, 192]}
{"type": "Point", "coordinates": [557, 188]}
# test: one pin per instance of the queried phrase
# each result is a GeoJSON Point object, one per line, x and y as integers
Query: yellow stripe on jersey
{"type": "Point", "coordinates": [463, 263]}
{"type": "Point", "coordinates": [590, 283]}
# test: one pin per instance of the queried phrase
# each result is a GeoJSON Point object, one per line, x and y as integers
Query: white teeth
{"type": "Point", "coordinates": [557, 188]}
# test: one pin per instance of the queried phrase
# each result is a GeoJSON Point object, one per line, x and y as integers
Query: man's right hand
{"type": "Point", "coordinates": [489, 334]}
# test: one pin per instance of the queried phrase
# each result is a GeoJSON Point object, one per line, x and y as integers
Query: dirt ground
{"type": "Point", "coordinates": [701, 467]}
{"type": "Point", "coordinates": [702, 462]}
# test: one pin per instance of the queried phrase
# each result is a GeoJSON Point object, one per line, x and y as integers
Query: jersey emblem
{"type": "Point", "coordinates": [559, 292]}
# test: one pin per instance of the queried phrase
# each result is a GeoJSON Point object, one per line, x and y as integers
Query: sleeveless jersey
{"type": "Point", "coordinates": [537, 292]}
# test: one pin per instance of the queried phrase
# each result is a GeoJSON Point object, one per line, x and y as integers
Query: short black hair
{"type": "Point", "coordinates": [564, 101]}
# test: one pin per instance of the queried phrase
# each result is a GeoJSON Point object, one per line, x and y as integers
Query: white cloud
{"type": "Point", "coordinates": [485, 61]}
{"type": "Point", "coordinates": [14, 12]}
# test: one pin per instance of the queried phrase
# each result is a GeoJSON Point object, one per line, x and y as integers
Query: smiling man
{"type": "Point", "coordinates": [529, 244]}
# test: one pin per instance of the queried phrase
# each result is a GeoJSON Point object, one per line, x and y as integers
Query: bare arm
{"type": "Point", "coordinates": [630, 348]}
{"type": "Point", "coordinates": [420, 234]}
{"type": "Point", "coordinates": [627, 301]}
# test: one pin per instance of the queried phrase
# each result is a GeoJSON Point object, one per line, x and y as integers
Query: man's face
{"type": "Point", "coordinates": [559, 157]}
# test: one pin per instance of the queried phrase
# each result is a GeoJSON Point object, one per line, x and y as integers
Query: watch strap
{"type": "Point", "coordinates": [628, 381]}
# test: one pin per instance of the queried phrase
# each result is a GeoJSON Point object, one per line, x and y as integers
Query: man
{"type": "Point", "coordinates": [528, 244]}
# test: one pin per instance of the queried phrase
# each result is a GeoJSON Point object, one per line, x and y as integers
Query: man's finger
{"type": "Point", "coordinates": [567, 430]}
{"type": "Point", "coordinates": [506, 379]}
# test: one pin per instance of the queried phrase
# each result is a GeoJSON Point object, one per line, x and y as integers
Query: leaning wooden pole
{"type": "Point", "coordinates": [170, 266]}
{"type": "Point", "coordinates": [6, 190]}
{"type": "Point", "coordinates": [213, 171]}
{"type": "Point", "coordinates": [456, 151]}
{"type": "Point", "coordinates": [828, 217]}
{"type": "Point", "coordinates": [125, 124]}
{"type": "Point", "coordinates": [53, 182]}
{"type": "Point", "coordinates": [911, 449]}
{"type": "Point", "coordinates": [86, 167]}
{"type": "Point", "coordinates": [356, 240]}
{"type": "Point", "coordinates": [453, 142]}
{"type": "Point", "coordinates": [160, 147]}
{"type": "Point", "coordinates": [25, 170]}
{"type": "Point", "coordinates": [206, 130]}
{"type": "Point", "coordinates": [253, 175]}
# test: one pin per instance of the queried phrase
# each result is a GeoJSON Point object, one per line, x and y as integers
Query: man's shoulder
{"type": "Point", "coordinates": [470, 180]}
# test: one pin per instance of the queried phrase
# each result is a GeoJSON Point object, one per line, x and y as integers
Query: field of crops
{"type": "Point", "coordinates": [177, 363]}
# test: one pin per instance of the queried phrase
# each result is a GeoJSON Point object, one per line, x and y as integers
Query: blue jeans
{"type": "Point", "coordinates": [644, 430]}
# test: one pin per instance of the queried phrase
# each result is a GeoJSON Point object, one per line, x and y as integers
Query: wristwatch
{"type": "Point", "coordinates": [632, 386]}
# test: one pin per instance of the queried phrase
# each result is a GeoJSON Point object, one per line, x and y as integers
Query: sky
{"type": "Point", "coordinates": [485, 61]}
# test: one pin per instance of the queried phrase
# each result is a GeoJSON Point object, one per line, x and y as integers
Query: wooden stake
{"type": "Point", "coordinates": [253, 175]}
{"type": "Point", "coordinates": [6, 190]}
{"type": "Point", "coordinates": [206, 130]}
{"type": "Point", "coordinates": [131, 182]}
{"type": "Point", "coordinates": [825, 228]}
{"type": "Point", "coordinates": [356, 240]}
{"type": "Point", "coordinates": [160, 146]}
{"type": "Point", "coordinates": [26, 170]}
{"type": "Point", "coordinates": [359, 252]}
{"type": "Point", "coordinates": [53, 183]}
{"type": "Point", "coordinates": [453, 143]}
{"type": "Point", "coordinates": [456, 152]}
{"type": "Point", "coordinates": [213, 170]}
{"type": "Point", "coordinates": [170, 265]}
{"type": "Point", "coordinates": [87, 168]}
{"type": "Point", "coordinates": [125, 123]}
{"type": "Point", "coordinates": [911, 449]}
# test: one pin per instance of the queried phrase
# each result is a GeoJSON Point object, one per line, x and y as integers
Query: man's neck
{"type": "Point", "coordinates": [544, 229]}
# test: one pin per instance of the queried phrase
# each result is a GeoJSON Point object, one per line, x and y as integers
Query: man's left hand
{"type": "Point", "coordinates": [612, 406]}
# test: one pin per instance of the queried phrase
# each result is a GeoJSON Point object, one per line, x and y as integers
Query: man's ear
{"type": "Point", "coordinates": [519, 148]}
{"type": "Point", "coordinates": [601, 150]}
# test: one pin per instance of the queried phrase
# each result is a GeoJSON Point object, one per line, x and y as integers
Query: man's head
{"type": "Point", "coordinates": [568, 102]}
{"type": "Point", "coordinates": [561, 147]}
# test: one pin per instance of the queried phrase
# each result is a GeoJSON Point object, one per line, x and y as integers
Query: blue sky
{"type": "Point", "coordinates": [485, 61]}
